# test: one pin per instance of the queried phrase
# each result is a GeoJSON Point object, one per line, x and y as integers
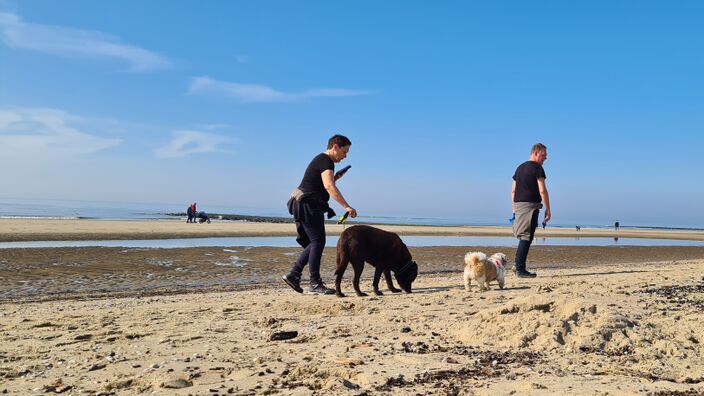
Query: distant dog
{"type": "Point", "coordinates": [383, 250]}
{"type": "Point", "coordinates": [483, 270]}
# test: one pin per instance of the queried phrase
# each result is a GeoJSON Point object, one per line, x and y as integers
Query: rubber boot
{"type": "Point", "coordinates": [521, 257]}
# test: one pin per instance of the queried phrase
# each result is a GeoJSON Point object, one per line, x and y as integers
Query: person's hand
{"type": "Point", "coordinates": [547, 215]}
{"type": "Point", "coordinates": [353, 212]}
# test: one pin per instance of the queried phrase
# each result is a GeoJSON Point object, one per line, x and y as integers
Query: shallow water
{"type": "Point", "coordinates": [51, 272]}
{"type": "Point", "coordinates": [332, 241]}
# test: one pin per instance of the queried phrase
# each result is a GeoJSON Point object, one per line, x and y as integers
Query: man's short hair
{"type": "Point", "coordinates": [339, 140]}
{"type": "Point", "coordinates": [538, 147]}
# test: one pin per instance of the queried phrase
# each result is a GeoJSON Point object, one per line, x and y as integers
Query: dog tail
{"type": "Point", "coordinates": [341, 257]}
{"type": "Point", "coordinates": [474, 258]}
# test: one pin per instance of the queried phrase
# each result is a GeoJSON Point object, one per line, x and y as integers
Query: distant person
{"type": "Point", "coordinates": [189, 213]}
{"type": "Point", "coordinates": [193, 213]}
{"type": "Point", "coordinates": [617, 226]}
{"type": "Point", "coordinates": [578, 228]}
{"type": "Point", "coordinates": [528, 194]}
{"type": "Point", "coordinates": [203, 217]}
{"type": "Point", "coordinates": [308, 205]}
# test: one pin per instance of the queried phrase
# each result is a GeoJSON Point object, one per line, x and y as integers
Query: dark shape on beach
{"type": "Point", "coordinates": [383, 250]}
{"type": "Point", "coordinates": [236, 217]}
{"type": "Point", "coordinates": [202, 217]}
{"type": "Point", "coordinates": [283, 335]}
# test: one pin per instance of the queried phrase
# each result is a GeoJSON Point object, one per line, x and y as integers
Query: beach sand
{"type": "Point", "coordinates": [599, 330]}
{"type": "Point", "coordinates": [597, 320]}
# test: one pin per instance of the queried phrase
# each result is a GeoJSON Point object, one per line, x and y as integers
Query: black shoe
{"type": "Point", "coordinates": [320, 288]}
{"type": "Point", "coordinates": [294, 281]}
{"type": "Point", "coordinates": [525, 274]}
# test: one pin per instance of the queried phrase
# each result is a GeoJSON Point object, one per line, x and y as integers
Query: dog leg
{"type": "Point", "coordinates": [482, 283]}
{"type": "Point", "coordinates": [375, 283]}
{"type": "Point", "coordinates": [358, 266]}
{"type": "Point", "coordinates": [342, 261]}
{"type": "Point", "coordinates": [501, 281]}
{"type": "Point", "coordinates": [467, 281]}
{"type": "Point", "coordinates": [390, 283]}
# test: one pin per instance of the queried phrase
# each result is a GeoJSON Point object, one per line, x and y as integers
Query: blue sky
{"type": "Point", "coordinates": [225, 102]}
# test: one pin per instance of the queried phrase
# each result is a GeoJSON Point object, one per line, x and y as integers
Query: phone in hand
{"type": "Point", "coordinates": [342, 171]}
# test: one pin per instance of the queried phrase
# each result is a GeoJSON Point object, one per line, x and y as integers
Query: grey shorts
{"type": "Point", "coordinates": [526, 219]}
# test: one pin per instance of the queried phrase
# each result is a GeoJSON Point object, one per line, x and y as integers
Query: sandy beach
{"type": "Point", "coordinates": [207, 321]}
{"type": "Point", "coordinates": [85, 229]}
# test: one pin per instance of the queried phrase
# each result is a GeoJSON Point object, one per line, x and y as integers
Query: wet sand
{"type": "Point", "coordinates": [61, 273]}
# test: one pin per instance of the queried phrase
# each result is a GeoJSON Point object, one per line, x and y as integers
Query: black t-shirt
{"type": "Point", "coordinates": [313, 179]}
{"type": "Point", "coordinates": [526, 177]}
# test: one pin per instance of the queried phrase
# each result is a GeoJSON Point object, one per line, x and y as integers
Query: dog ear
{"type": "Point", "coordinates": [406, 277]}
{"type": "Point", "coordinates": [414, 272]}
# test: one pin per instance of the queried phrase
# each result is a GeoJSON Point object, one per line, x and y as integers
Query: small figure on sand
{"type": "Point", "coordinates": [191, 213]}
{"type": "Point", "coordinates": [578, 228]}
{"type": "Point", "coordinates": [616, 226]}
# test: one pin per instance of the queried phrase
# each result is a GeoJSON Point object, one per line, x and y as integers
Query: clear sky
{"type": "Point", "coordinates": [226, 102]}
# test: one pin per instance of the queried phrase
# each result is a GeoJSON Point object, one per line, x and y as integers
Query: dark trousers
{"type": "Point", "coordinates": [313, 253]}
{"type": "Point", "coordinates": [524, 246]}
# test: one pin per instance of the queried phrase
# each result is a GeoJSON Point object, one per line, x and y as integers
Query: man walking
{"type": "Point", "coordinates": [528, 194]}
{"type": "Point", "coordinates": [308, 204]}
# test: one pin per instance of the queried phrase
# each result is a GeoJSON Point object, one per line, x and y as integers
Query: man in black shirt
{"type": "Point", "coordinates": [308, 204]}
{"type": "Point", "coordinates": [527, 193]}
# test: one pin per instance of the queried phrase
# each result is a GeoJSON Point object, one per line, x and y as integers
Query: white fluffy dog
{"type": "Point", "coordinates": [484, 269]}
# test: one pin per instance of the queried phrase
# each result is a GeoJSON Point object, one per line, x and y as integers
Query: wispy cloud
{"type": "Point", "coordinates": [38, 130]}
{"type": "Point", "coordinates": [187, 142]}
{"type": "Point", "coordinates": [262, 93]}
{"type": "Point", "coordinates": [212, 127]}
{"type": "Point", "coordinates": [74, 42]}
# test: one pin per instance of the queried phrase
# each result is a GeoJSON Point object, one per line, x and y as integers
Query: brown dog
{"type": "Point", "coordinates": [383, 250]}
